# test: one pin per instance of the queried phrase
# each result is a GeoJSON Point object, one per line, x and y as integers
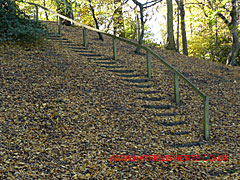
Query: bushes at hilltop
{"type": "Point", "coordinates": [16, 26]}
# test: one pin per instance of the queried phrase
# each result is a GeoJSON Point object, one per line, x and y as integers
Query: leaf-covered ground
{"type": "Point", "coordinates": [64, 109]}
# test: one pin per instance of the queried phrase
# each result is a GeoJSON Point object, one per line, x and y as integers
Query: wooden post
{"type": "Point", "coordinates": [84, 37]}
{"type": "Point", "coordinates": [176, 89]}
{"type": "Point", "coordinates": [114, 49]}
{"type": "Point", "coordinates": [206, 118]}
{"type": "Point", "coordinates": [149, 73]}
{"type": "Point", "coordinates": [59, 25]}
{"type": "Point", "coordinates": [36, 13]}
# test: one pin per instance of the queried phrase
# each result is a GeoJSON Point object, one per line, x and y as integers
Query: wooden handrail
{"type": "Point", "coordinates": [149, 52]}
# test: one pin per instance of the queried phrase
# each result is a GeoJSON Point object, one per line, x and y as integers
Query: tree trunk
{"type": "Point", "coordinates": [216, 41]}
{"type": "Point", "coordinates": [137, 28]}
{"type": "Point", "coordinates": [178, 29]}
{"type": "Point", "coordinates": [183, 29]}
{"type": "Point", "coordinates": [170, 32]}
{"type": "Point", "coordinates": [233, 28]}
{"type": "Point", "coordinates": [142, 29]}
{"type": "Point", "coordinates": [95, 19]}
{"type": "Point", "coordinates": [44, 4]}
{"type": "Point", "coordinates": [71, 10]}
{"type": "Point", "coordinates": [235, 49]}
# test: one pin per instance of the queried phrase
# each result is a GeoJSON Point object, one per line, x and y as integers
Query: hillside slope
{"type": "Point", "coordinates": [65, 109]}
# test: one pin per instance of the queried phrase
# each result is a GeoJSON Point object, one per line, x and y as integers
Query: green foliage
{"type": "Point", "coordinates": [203, 45]}
{"type": "Point", "coordinates": [63, 7]}
{"type": "Point", "coordinates": [205, 22]}
{"type": "Point", "coordinates": [16, 26]}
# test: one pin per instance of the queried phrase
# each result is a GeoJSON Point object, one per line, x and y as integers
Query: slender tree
{"type": "Point", "coordinates": [170, 31]}
{"type": "Point", "coordinates": [178, 24]}
{"type": "Point", "coordinates": [183, 27]}
{"type": "Point", "coordinates": [44, 4]}
{"type": "Point", "coordinates": [95, 19]}
{"type": "Point", "coordinates": [143, 6]}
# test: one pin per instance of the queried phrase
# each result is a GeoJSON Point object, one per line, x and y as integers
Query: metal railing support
{"type": "Point", "coordinates": [59, 25]}
{"type": "Point", "coordinates": [149, 72]}
{"type": "Point", "coordinates": [206, 118]}
{"type": "Point", "coordinates": [114, 49]}
{"type": "Point", "coordinates": [84, 37]}
{"type": "Point", "coordinates": [176, 89]}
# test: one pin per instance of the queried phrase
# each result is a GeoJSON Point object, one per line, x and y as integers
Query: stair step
{"type": "Point", "coordinates": [82, 51]}
{"type": "Point", "coordinates": [137, 80]}
{"type": "Point", "coordinates": [152, 98]}
{"type": "Point", "coordinates": [177, 133]}
{"type": "Point", "coordinates": [91, 55]}
{"type": "Point", "coordinates": [190, 144]}
{"type": "Point", "coordinates": [77, 48]}
{"type": "Point", "coordinates": [157, 106]}
{"type": "Point", "coordinates": [100, 62]}
{"type": "Point", "coordinates": [147, 92]}
{"type": "Point", "coordinates": [53, 33]}
{"type": "Point", "coordinates": [128, 75]}
{"type": "Point", "coordinates": [67, 42]}
{"type": "Point", "coordinates": [144, 86]}
{"type": "Point", "coordinates": [122, 71]}
{"type": "Point", "coordinates": [100, 59]}
{"type": "Point", "coordinates": [56, 38]}
{"type": "Point", "coordinates": [114, 67]}
{"type": "Point", "coordinates": [173, 123]}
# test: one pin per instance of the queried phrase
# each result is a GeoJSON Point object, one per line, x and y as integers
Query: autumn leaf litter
{"type": "Point", "coordinates": [63, 114]}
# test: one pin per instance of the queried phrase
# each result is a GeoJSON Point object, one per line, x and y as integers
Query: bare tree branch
{"type": "Point", "coordinates": [225, 20]}
{"type": "Point", "coordinates": [153, 3]}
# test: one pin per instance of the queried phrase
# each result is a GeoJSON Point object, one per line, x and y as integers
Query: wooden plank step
{"type": "Point", "coordinates": [125, 71]}
{"type": "Point", "coordinates": [137, 80]}
{"type": "Point", "coordinates": [114, 67]}
{"type": "Point", "coordinates": [91, 55]}
{"type": "Point", "coordinates": [152, 98]}
{"type": "Point", "coordinates": [147, 92]}
{"type": "Point", "coordinates": [157, 106]}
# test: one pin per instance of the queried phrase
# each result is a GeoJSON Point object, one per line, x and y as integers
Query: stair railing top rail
{"type": "Point", "coordinates": [175, 71]}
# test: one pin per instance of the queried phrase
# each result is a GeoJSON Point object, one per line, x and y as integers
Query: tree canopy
{"type": "Point", "coordinates": [209, 29]}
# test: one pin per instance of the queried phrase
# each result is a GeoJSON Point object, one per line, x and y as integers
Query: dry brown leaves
{"type": "Point", "coordinates": [62, 113]}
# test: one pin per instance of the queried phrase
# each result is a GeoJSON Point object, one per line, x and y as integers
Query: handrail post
{"type": "Point", "coordinates": [149, 73]}
{"type": "Point", "coordinates": [206, 118]}
{"type": "Point", "coordinates": [59, 25]}
{"type": "Point", "coordinates": [36, 13]}
{"type": "Point", "coordinates": [84, 37]}
{"type": "Point", "coordinates": [176, 89]}
{"type": "Point", "coordinates": [114, 49]}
